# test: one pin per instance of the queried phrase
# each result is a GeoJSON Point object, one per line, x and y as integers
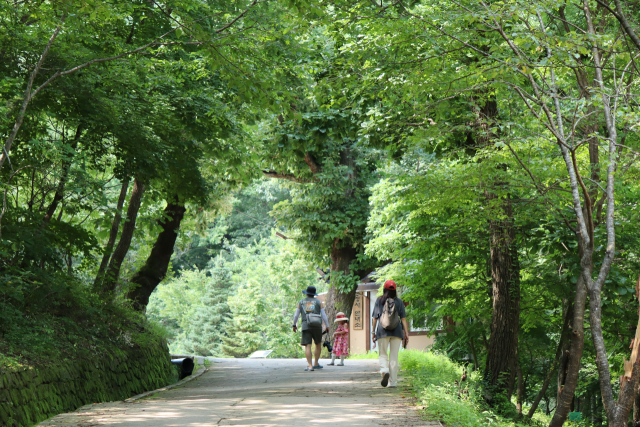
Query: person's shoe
{"type": "Point", "coordinates": [392, 386]}
{"type": "Point", "coordinates": [307, 369]}
{"type": "Point", "coordinates": [385, 380]}
{"type": "Point", "coordinates": [330, 363]}
{"type": "Point", "coordinates": [318, 367]}
{"type": "Point", "coordinates": [340, 364]}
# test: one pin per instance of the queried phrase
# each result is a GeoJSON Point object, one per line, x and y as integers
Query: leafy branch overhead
{"type": "Point", "coordinates": [182, 169]}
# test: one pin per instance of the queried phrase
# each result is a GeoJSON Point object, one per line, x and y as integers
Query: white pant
{"type": "Point", "coordinates": [389, 364]}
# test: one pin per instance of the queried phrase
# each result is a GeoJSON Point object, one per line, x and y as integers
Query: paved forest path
{"type": "Point", "coordinates": [263, 392]}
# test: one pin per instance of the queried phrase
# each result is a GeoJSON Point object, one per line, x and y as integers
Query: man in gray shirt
{"type": "Point", "coordinates": [311, 306]}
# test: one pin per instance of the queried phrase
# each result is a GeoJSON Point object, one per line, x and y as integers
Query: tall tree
{"type": "Point", "coordinates": [329, 207]}
{"type": "Point", "coordinates": [209, 322]}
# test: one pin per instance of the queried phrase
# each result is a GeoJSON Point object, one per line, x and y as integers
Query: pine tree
{"type": "Point", "coordinates": [243, 336]}
{"type": "Point", "coordinates": [207, 328]}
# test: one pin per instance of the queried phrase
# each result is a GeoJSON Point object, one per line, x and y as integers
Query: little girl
{"type": "Point", "coordinates": [341, 343]}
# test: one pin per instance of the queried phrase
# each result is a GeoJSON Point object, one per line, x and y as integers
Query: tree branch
{"type": "Point", "coordinates": [27, 95]}
{"type": "Point", "coordinates": [287, 176]}
{"type": "Point", "coordinates": [237, 17]}
{"type": "Point", "coordinates": [619, 15]}
{"type": "Point", "coordinates": [311, 162]}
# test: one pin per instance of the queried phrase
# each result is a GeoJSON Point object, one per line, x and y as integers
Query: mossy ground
{"type": "Point", "coordinates": [62, 347]}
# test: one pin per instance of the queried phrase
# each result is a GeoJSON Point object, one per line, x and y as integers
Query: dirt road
{"type": "Point", "coordinates": [243, 392]}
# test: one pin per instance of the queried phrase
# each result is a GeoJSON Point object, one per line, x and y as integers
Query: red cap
{"type": "Point", "coordinates": [390, 284]}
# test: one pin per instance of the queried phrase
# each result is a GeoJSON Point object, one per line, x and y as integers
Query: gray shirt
{"type": "Point", "coordinates": [311, 305]}
{"type": "Point", "coordinates": [382, 332]}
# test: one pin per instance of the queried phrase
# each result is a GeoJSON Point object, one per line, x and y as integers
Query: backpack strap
{"type": "Point", "coordinates": [303, 312]}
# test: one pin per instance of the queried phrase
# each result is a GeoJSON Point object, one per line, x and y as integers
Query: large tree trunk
{"type": "Point", "coordinates": [155, 268]}
{"type": "Point", "coordinates": [115, 226]}
{"type": "Point", "coordinates": [342, 255]}
{"type": "Point", "coordinates": [337, 300]}
{"type": "Point", "coordinates": [502, 349]}
{"type": "Point", "coordinates": [502, 355]}
{"type": "Point", "coordinates": [113, 271]}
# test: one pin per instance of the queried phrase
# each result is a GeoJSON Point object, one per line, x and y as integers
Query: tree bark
{"type": "Point", "coordinates": [115, 226]}
{"type": "Point", "coordinates": [502, 348]}
{"type": "Point", "coordinates": [636, 407]}
{"type": "Point", "coordinates": [565, 342]}
{"type": "Point", "coordinates": [113, 271]}
{"type": "Point", "coordinates": [502, 354]}
{"type": "Point", "coordinates": [341, 258]}
{"type": "Point", "coordinates": [617, 410]}
{"type": "Point", "coordinates": [565, 396]}
{"type": "Point", "coordinates": [155, 268]}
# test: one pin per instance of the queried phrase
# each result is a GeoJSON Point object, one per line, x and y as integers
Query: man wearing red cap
{"type": "Point", "coordinates": [389, 329]}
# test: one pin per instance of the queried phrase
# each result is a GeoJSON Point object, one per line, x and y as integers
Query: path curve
{"type": "Point", "coordinates": [262, 392]}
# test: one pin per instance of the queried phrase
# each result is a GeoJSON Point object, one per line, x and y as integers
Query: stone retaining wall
{"type": "Point", "coordinates": [31, 395]}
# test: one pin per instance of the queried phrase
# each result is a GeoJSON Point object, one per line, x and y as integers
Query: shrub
{"type": "Point", "coordinates": [435, 380]}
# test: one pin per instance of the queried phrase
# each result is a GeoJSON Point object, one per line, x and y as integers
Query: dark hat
{"type": "Point", "coordinates": [311, 290]}
{"type": "Point", "coordinates": [390, 284]}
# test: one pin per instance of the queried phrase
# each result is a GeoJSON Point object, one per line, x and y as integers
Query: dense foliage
{"type": "Point", "coordinates": [200, 162]}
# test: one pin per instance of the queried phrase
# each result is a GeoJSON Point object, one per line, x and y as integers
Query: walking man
{"type": "Point", "coordinates": [313, 319]}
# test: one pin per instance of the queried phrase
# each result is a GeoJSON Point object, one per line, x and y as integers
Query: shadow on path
{"type": "Point", "coordinates": [269, 392]}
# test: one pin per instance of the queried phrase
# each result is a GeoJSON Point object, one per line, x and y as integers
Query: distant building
{"type": "Point", "coordinates": [360, 324]}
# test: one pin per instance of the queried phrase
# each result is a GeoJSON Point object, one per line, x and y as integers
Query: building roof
{"type": "Point", "coordinates": [369, 286]}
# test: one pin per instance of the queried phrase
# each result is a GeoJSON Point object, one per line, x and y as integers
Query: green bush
{"type": "Point", "coordinates": [435, 380]}
{"type": "Point", "coordinates": [50, 316]}
{"type": "Point", "coordinates": [63, 346]}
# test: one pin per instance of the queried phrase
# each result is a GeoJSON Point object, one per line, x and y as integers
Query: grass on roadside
{"type": "Point", "coordinates": [370, 355]}
{"type": "Point", "coordinates": [433, 378]}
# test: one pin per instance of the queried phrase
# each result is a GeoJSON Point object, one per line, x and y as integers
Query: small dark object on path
{"type": "Point", "coordinates": [185, 367]}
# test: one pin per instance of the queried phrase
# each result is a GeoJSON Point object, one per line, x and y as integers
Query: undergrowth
{"type": "Point", "coordinates": [48, 317]}
{"type": "Point", "coordinates": [435, 381]}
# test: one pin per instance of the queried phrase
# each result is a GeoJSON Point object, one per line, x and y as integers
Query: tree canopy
{"type": "Point", "coordinates": [195, 164]}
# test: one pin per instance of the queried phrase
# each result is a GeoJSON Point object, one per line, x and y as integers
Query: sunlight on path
{"type": "Point", "coordinates": [243, 392]}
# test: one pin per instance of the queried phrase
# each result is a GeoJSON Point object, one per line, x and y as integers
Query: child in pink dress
{"type": "Point", "coordinates": [341, 343]}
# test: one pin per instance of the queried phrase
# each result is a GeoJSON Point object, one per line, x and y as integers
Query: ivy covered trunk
{"type": "Point", "coordinates": [155, 268]}
{"type": "Point", "coordinates": [342, 292]}
{"type": "Point", "coordinates": [502, 351]}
